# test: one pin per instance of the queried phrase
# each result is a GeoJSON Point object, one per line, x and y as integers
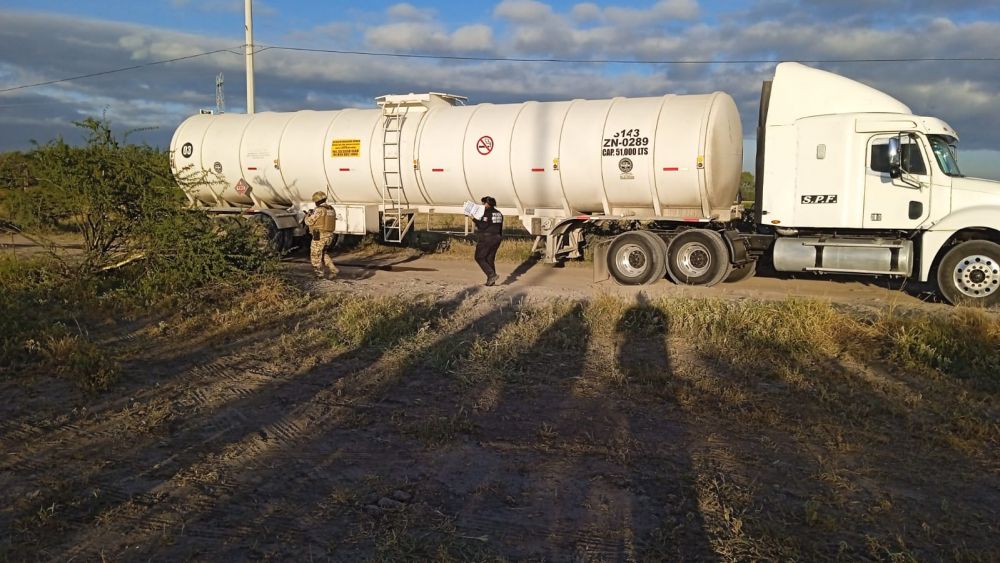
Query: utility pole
{"type": "Point", "coordinates": [249, 54]}
{"type": "Point", "coordinates": [220, 95]}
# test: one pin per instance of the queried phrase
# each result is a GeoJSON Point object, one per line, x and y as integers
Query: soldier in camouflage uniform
{"type": "Point", "coordinates": [322, 223]}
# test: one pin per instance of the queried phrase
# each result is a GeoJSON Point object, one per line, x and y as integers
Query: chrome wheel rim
{"type": "Point", "coordinates": [977, 276]}
{"type": "Point", "coordinates": [694, 260]}
{"type": "Point", "coordinates": [632, 260]}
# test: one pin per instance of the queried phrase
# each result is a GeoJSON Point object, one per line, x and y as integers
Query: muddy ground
{"type": "Point", "coordinates": [263, 441]}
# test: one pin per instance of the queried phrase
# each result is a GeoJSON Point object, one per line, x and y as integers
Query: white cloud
{"type": "Point", "coordinates": [409, 12]}
{"type": "Point", "coordinates": [661, 11]}
{"type": "Point", "coordinates": [429, 37]}
{"type": "Point", "coordinates": [523, 11]}
{"type": "Point", "coordinates": [52, 47]}
{"type": "Point", "coordinates": [586, 12]}
{"type": "Point", "coordinates": [473, 38]}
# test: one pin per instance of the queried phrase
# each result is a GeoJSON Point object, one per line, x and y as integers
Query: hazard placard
{"type": "Point", "coordinates": [341, 148]}
{"type": "Point", "coordinates": [242, 187]}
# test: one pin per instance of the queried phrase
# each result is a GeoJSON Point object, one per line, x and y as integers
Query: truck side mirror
{"type": "Point", "coordinates": [895, 159]}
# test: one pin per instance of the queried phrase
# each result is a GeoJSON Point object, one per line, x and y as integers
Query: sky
{"type": "Point", "coordinates": [44, 40]}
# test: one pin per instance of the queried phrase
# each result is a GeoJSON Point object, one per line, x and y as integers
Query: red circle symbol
{"type": "Point", "coordinates": [484, 145]}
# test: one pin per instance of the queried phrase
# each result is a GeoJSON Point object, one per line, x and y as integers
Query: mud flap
{"type": "Point", "coordinates": [601, 261]}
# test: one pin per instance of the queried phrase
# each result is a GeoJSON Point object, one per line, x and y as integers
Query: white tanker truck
{"type": "Point", "coordinates": [847, 180]}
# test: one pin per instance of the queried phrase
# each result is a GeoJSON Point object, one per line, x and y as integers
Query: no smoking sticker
{"type": "Point", "coordinates": [484, 145]}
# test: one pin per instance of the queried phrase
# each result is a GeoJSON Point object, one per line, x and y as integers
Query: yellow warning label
{"type": "Point", "coordinates": [345, 147]}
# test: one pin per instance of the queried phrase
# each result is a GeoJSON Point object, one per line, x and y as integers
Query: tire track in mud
{"type": "Point", "coordinates": [206, 479]}
{"type": "Point", "coordinates": [176, 375]}
{"type": "Point", "coordinates": [39, 448]}
{"type": "Point", "coordinates": [226, 378]}
{"type": "Point", "coordinates": [233, 425]}
{"type": "Point", "coordinates": [516, 530]}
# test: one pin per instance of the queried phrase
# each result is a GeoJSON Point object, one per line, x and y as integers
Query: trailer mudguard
{"type": "Point", "coordinates": [282, 219]}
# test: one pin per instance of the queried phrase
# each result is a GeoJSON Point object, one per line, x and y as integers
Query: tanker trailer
{"type": "Point", "coordinates": [558, 166]}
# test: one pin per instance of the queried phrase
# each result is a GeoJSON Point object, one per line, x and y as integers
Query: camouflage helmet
{"type": "Point", "coordinates": [319, 197]}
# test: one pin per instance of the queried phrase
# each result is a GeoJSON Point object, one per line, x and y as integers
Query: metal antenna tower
{"type": "Point", "coordinates": [220, 95]}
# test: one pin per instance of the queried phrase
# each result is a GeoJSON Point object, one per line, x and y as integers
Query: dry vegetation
{"type": "Point", "coordinates": [260, 420]}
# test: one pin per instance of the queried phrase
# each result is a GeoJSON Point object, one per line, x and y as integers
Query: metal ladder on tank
{"type": "Point", "coordinates": [396, 221]}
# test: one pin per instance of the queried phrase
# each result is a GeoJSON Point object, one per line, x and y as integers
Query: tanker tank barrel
{"type": "Point", "coordinates": [674, 156]}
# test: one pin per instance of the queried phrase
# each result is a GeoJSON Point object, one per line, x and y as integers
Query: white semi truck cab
{"type": "Point", "coordinates": [850, 181]}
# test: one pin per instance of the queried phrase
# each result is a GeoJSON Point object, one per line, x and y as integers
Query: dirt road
{"type": "Point", "coordinates": [391, 273]}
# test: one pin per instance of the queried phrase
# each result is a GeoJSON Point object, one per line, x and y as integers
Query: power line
{"type": "Point", "coordinates": [503, 59]}
{"type": "Point", "coordinates": [621, 61]}
{"type": "Point", "coordinates": [116, 70]}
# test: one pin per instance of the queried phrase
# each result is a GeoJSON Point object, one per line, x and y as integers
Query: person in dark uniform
{"type": "Point", "coordinates": [489, 233]}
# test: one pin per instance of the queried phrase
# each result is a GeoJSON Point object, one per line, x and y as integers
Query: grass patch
{"type": "Point", "coordinates": [41, 311]}
{"type": "Point", "coordinates": [744, 430]}
{"type": "Point", "coordinates": [963, 343]}
{"type": "Point", "coordinates": [78, 358]}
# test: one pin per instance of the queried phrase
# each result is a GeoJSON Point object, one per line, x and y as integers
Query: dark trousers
{"type": "Point", "coordinates": [486, 253]}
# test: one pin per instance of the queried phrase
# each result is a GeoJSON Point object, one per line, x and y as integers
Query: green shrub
{"type": "Point", "coordinates": [141, 247]}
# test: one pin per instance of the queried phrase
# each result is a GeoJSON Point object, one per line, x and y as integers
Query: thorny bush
{"type": "Point", "coordinates": [141, 246]}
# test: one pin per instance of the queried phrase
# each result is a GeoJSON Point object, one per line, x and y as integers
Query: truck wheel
{"type": "Point", "coordinates": [698, 257]}
{"type": "Point", "coordinates": [969, 274]}
{"type": "Point", "coordinates": [637, 258]}
{"type": "Point", "coordinates": [279, 239]}
{"type": "Point", "coordinates": [744, 272]}
{"type": "Point", "coordinates": [661, 253]}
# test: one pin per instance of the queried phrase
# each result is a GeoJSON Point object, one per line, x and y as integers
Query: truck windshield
{"type": "Point", "coordinates": [946, 154]}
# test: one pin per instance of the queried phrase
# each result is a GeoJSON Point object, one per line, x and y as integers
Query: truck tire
{"type": "Point", "coordinates": [280, 239]}
{"type": "Point", "coordinates": [637, 258]}
{"type": "Point", "coordinates": [744, 272]}
{"type": "Point", "coordinates": [969, 274]}
{"type": "Point", "coordinates": [698, 257]}
{"type": "Point", "coordinates": [661, 252]}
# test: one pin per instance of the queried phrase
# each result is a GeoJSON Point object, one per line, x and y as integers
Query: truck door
{"type": "Point", "coordinates": [896, 203]}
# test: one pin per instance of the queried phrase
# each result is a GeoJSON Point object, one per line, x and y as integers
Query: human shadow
{"type": "Point", "coordinates": [353, 455]}
{"type": "Point", "coordinates": [556, 441]}
{"type": "Point", "coordinates": [644, 360]}
{"type": "Point", "coordinates": [255, 424]}
{"type": "Point", "coordinates": [537, 454]}
{"type": "Point", "coordinates": [522, 269]}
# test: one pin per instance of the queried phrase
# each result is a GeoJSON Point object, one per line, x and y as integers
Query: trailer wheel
{"type": "Point", "coordinates": [698, 257]}
{"type": "Point", "coordinates": [661, 253]}
{"type": "Point", "coordinates": [637, 258]}
{"type": "Point", "coordinates": [744, 272]}
{"type": "Point", "coordinates": [969, 274]}
{"type": "Point", "coordinates": [280, 239]}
